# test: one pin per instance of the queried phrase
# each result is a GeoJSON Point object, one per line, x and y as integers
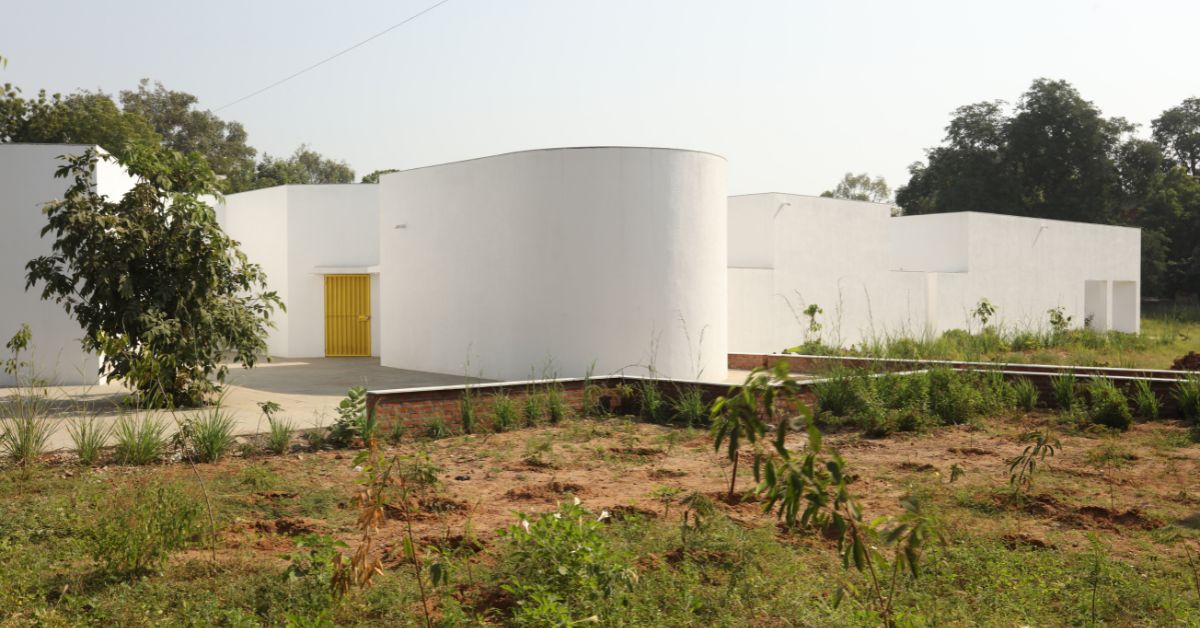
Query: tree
{"type": "Point", "coordinates": [1177, 130]}
{"type": "Point", "coordinates": [186, 129]}
{"type": "Point", "coordinates": [80, 118]}
{"type": "Point", "coordinates": [305, 166]}
{"type": "Point", "coordinates": [374, 176]}
{"type": "Point", "coordinates": [160, 291]}
{"type": "Point", "coordinates": [861, 187]}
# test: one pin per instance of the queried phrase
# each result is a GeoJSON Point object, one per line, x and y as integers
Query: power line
{"type": "Point", "coordinates": [333, 56]}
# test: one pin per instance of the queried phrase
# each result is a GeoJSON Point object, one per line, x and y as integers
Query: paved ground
{"type": "Point", "coordinates": [307, 389]}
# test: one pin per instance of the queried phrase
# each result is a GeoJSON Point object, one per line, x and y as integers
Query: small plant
{"type": "Point", "coordinates": [814, 326]}
{"type": "Point", "coordinates": [268, 410]}
{"type": "Point", "coordinates": [504, 412]}
{"type": "Point", "coordinates": [25, 429]}
{"type": "Point", "coordinates": [139, 439]}
{"type": "Point", "coordinates": [1066, 392]}
{"type": "Point", "coordinates": [666, 495]}
{"type": "Point", "coordinates": [437, 429]}
{"type": "Point", "coordinates": [956, 472]}
{"type": "Point", "coordinates": [744, 416]}
{"type": "Point", "coordinates": [396, 432]}
{"type": "Point", "coordinates": [1059, 321]}
{"type": "Point", "coordinates": [279, 437]}
{"type": "Point", "coordinates": [89, 435]}
{"type": "Point", "coordinates": [531, 409]}
{"type": "Point", "coordinates": [353, 421]}
{"type": "Point", "coordinates": [210, 434]}
{"type": "Point", "coordinates": [1187, 395]}
{"type": "Point", "coordinates": [1026, 394]}
{"type": "Point", "coordinates": [467, 411]}
{"type": "Point", "coordinates": [562, 560]}
{"type": "Point", "coordinates": [839, 394]}
{"type": "Point", "coordinates": [1146, 401]}
{"type": "Point", "coordinates": [1107, 404]}
{"type": "Point", "coordinates": [953, 398]}
{"type": "Point", "coordinates": [556, 403]}
{"type": "Point", "coordinates": [315, 437]}
{"type": "Point", "coordinates": [137, 532]}
{"type": "Point", "coordinates": [652, 406]}
{"type": "Point", "coordinates": [1022, 468]}
{"type": "Point", "coordinates": [689, 407]}
{"type": "Point", "coordinates": [983, 312]}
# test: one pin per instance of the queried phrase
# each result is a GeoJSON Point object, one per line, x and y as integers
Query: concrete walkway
{"type": "Point", "coordinates": [307, 389]}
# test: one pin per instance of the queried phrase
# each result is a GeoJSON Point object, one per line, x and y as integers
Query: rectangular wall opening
{"type": "Point", "coordinates": [1125, 306]}
{"type": "Point", "coordinates": [1095, 304]}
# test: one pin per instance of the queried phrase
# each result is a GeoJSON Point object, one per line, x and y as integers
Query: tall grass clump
{"type": "Point", "coordinates": [531, 409]}
{"type": "Point", "coordinates": [688, 406]}
{"type": "Point", "coordinates": [1066, 392]}
{"type": "Point", "coordinates": [279, 436]}
{"type": "Point", "coordinates": [211, 434]}
{"type": "Point", "coordinates": [23, 437]}
{"type": "Point", "coordinates": [139, 439]}
{"type": "Point", "coordinates": [652, 405]}
{"type": "Point", "coordinates": [556, 403]}
{"type": "Point", "coordinates": [467, 411]}
{"type": "Point", "coordinates": [1187, 395]}
{"type": "Point", "coordinates": [838, 394]}
{"type": "Point", "coordinates": [954, 398]}
{"type": "Point", "coordinates": [504, 412]}
{"type": "Point", "coordinates": [1145, 401]}
{"type": "Point", "coordinates": [89, 436]}
{"type": "Point", "coordinates": [1026, 394]}
{"type": "Point", "coordinates": [1107, 404]}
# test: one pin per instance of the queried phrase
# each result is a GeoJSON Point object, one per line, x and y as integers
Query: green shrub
{"type": "Point", "coordinates": [1146, 401]}
{"type": "Point", "coordinates": [1107, 404]}
{"type": "Point", "coordinates": [1187, 395]}
{"type": "Point", "coordinates": [211, 434]}
{"type": "Point", "coordinates": [89, 435]}
{"type": "Point", "coordinates": [996, 393]}
{"type": "Point", "coordinates": [556, 403]}
{"type": "Point", "coordinates": [396, 432]}
{"type": "Point", "coordinates": [1066, 392]}
{"type": "Point", "coordinates": [353, 421]}
{"type": "Point", "coordinates": [316, 437]}
{"type": "Point", "coordinates": [688, 406]}
{"type": "Point", "coordinates": [279, 436]}
{"type": "Point", "coordinates": [134, 533]}
{"type": "Point", "coordinates": [652, 406]}
{"type": "Point", "coordinates": [562, 562]}
{"type": "Point", "coordinates": [531, 410]}
{"type": "Point", "coordinates": [437, 429]}
{"type": "Point", "coordinates": [839, 394]}
{"type": "Point", "coordinates": [953, 399]}
{"type": "Point", "coordinates": [139, 439]}
{"type": "Point", "coordinates": [909, 391]}
{"type": "Point", "coordinates": [504, 412]}
{"type": "Point", "coordinates": [1025, 394]}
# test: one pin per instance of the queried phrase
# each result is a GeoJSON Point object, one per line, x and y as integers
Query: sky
{"type": "Point", "coordinates": [793, 93]}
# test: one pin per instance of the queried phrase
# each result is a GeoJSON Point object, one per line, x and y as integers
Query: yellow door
{"type": "Point", "coordinates": [347, 315]}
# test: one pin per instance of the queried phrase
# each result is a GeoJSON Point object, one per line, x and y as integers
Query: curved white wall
{"type": "Point", "coordinates": [565, 257]}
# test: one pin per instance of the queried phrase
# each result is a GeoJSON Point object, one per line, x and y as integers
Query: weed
{"type": "Point", "coordinates": [1107, 404]}
{"type": "Point", "coordinates": [689, 407]}
{"type": "Point", "coordinates": [1026, 394]}
{"type": "Point", "coordinates": [1066, 392]}
{"type": "Point", "coordinates": [556, 403]}
{"type": "Point", "coordinates": [315, 437]}
{"type": "Point", "coordinates": [838, 394]}
{"type": "Point", "coordinates": [210, 434]}
{"type": "Point", "coordinates": [652, 405]}
{"type": "Point", "coordinates": [467, 411]}
{"type": "Point", "coordinates": [136, 533]}
{"type": "Point", "coordinates": [504, 412]}
{"type": "Point", "coordinates": [396, 432]}
{"type": "Point", "coordinates": [25, 428]}
{"type": "Point", "coordinates": [437, 429]}
{"type": "Point", "coordinates": [531, 409]}
{"type": "Point", "coordinates": [1146, 401]}
{"type": "Point", "coordinates": [1187, 395]}
{"type": "Point", "coordinates": [353, 421]}
{"type": "Point", "coordinates": [952, 398]}
{"type": "Point", "coordinates": [258, 477]}
{"type": "Point", "coordinates": [1022, 468]}
{"type": "Point", "coordinates": [280, 435]}
{"type": "Point", "coordinates": [89, 435]}
{"type": "Point", "coordinates": [139, 438]}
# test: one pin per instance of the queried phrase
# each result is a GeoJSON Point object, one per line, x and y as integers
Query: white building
{"type": "Point", "coordinates": [604, 259]}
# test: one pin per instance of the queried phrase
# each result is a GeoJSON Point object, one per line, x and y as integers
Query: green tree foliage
{"type": "Point", "coordinates": [185, 128]}
{"type": "Point", "coordinates": [160, 291]}
{"type": "Point", "coordinates": [1056, 156]}
{"type": "Point", "coordinates": [305, 166]}
{"type": "Point", "coordinates": [374, 176]}
{"type": "Point", "coordinates": [861, 187]}
{"type": "Point", "coordinates": [80, 118]}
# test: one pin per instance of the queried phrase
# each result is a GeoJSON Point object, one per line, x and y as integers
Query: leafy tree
{"type": "Point", "coordinates": [861, 187]}
{"type": "Point", "coordinates": [305, 166]}
{"type": "Point", "coordinates": [1177, 130]}
{"type": "Point", "coordinates": [185, 128]}
{"type": "Point", "coordinates": [80, 118]}
{"type": "Point", "coordinates": [374, 176]}
{"type": "Point", "coordinates": [160, 291]}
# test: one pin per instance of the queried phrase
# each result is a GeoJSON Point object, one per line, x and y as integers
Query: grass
{"type": "Point", "coordinates": [89, 436]}
{"type": "Point", "coordinates": [139, 438]}
{"type": "Point", "coordinates": [211, 434]}
{"type": "Point", "coordinates": [1165, 335]}
{"type": "Point", "coordinates": [279, 436]}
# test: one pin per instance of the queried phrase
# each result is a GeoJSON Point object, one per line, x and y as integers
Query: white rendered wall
{"type": "Point", "coordinates": [877, 276]}
{"type": "Point", "coordinates": [27, 183]}
{"type": "Point", "coordinates": [559, 257]}
{"type": "Point", "coordinates": [297, 233]}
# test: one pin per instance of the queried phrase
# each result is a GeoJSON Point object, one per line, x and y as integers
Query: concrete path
{"type": "Point", "coordinates": [307, 389]}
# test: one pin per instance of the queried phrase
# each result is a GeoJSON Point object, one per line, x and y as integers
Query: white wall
{"type": "Point", "coordinates": [26, 184]}
{"type": "Point", "coordinates": [297, 233]}
{"type": "Point", "coordinates": [562, 257]}
{"type": "Point", "coordinates": [877, 276]}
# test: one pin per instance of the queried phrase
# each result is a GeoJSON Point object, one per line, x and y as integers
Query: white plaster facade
{"type": "Point", "coordinates": [604, 258]}
{"type": "Point", "coordinates": [876, 276]}
{"type": "Point", "coordinates": [27, 183]}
